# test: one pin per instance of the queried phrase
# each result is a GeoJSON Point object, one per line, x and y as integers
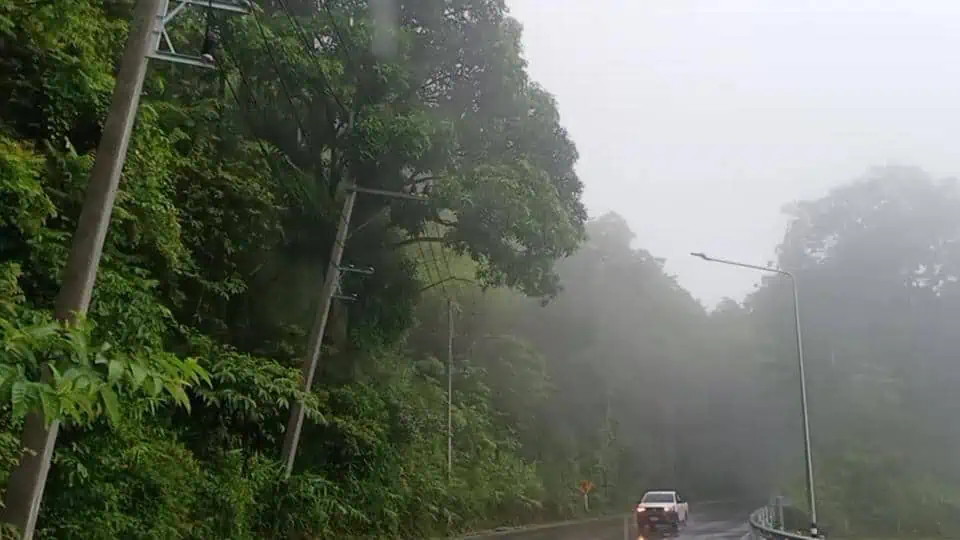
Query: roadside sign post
{"type": "Point", "coordinates": [586, 487]}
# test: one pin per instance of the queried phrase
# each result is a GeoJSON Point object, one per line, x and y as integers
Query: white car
{"type": "Point", "coordinates": [659, 509]}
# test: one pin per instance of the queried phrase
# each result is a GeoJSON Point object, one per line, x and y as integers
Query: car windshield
{"type": "Point", "coordinates": [657, 498]}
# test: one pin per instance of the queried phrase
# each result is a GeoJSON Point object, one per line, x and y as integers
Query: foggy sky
{"type": "Point", "coordinates": [697, 120]}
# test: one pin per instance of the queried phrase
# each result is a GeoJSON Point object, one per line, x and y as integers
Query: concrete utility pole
{"type": "Point", "coordinates": [27, 481]}
{"type": "Point", "coordinates": [291, 438]}
{"type": "Point", "coordinates": [449, 389]}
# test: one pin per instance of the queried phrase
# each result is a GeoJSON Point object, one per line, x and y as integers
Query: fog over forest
{"type": "Point", "coordinates": [504, 345]}
{"type": "Point", "coordinates": [697, 120]}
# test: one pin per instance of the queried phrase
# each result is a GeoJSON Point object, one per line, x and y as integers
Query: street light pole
{"type": "Point", "coordinates": [808, 455]}
{"type": "Point", "coordinates": [449, 389]}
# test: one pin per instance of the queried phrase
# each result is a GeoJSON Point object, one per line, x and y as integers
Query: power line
{"type": "Point", "coordinates": [332, 277]}
{"type": "Point", "coordinates": [236, 98]}
{"type": "Point", "coordinates": [311, 50]}
{"type": "Point", "coordinates": [328, 206]}
{"type": "Point", "coordinates": [421, 258]}
{"type": "Point", "coordinates": [311, 53]}
{"type": "Point", "coordinates": [336, 29]}
{"type": "Point", "coordinates": [267, 155]}
{"type": "Point", "coordinates": [433, 256]}
{"type": "Point", "coordinates": [446, 261]}
{"type": "Point", "coordinates": [276, 69]}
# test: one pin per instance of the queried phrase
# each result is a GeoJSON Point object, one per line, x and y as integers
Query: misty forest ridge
{"type": "Point", "coordinates": [339, 279]}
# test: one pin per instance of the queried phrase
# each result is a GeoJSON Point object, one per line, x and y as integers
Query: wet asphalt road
{"type": "Point", "coordinates": [703, 525]}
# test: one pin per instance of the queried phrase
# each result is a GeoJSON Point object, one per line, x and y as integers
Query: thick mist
{"type": "Point", "coordinates": [697, 119]}
{"type": "Point", "coordinates": [627, 379]}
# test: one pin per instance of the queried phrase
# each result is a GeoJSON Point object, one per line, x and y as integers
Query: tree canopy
{"type": "Point", "coordinates": [226, 210]}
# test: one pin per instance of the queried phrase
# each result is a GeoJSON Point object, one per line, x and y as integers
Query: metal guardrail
{"type": "Point", "coordinates": [763, 525]}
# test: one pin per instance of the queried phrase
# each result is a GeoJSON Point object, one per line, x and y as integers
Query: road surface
{"type": "Point", "coordinates": [708, 524]}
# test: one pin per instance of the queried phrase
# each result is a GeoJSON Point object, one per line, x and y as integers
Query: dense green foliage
{"type": "Point", "coordinates": [218, 244]}
{"type": "Point", "coordinates": [174, 391]}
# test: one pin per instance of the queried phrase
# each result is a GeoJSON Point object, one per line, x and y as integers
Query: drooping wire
{"type": "Point", "coordinates": [422, 258]}
{"type": "Point", "coordinates": [336, 28]}
{"type": "Point", "coordinates": [446, 262]}
{"type": "Point", "coordinates": [345, 46]}
{"type": "Point", "coordinates": [440, 279]}
{"type": "Point", "coordinates": [326, 87]}
{"type": "Point", "coordinates": [310, 49]}
{"type": "Point", "coordinates": [236, 97]}
{"type": "Point", "coordinates": [276, 69]}
{"type": "Point", "coordinates": [299, 190]}
{"type": "Point", "coordinates": [267, 156]}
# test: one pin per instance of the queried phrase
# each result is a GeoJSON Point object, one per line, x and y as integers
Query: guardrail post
{"type": "Point", "coordinates": [763, 526]}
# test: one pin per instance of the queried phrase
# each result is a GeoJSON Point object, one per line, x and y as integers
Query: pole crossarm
{"type": "Point", "coordinates": [163, 48]}
{"type": "Point", "coordinates": [331, 290]}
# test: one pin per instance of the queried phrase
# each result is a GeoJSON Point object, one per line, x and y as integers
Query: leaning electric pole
{"type": "Point", "coordinates": [331, 280]}
{"type": "Point", "coordinates": [329, 291]}
{"type": "Point", "coordinates": [27, 481]}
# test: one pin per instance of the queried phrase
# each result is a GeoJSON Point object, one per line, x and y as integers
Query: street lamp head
{"type": "Point", "coordinates": [701, 255]}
